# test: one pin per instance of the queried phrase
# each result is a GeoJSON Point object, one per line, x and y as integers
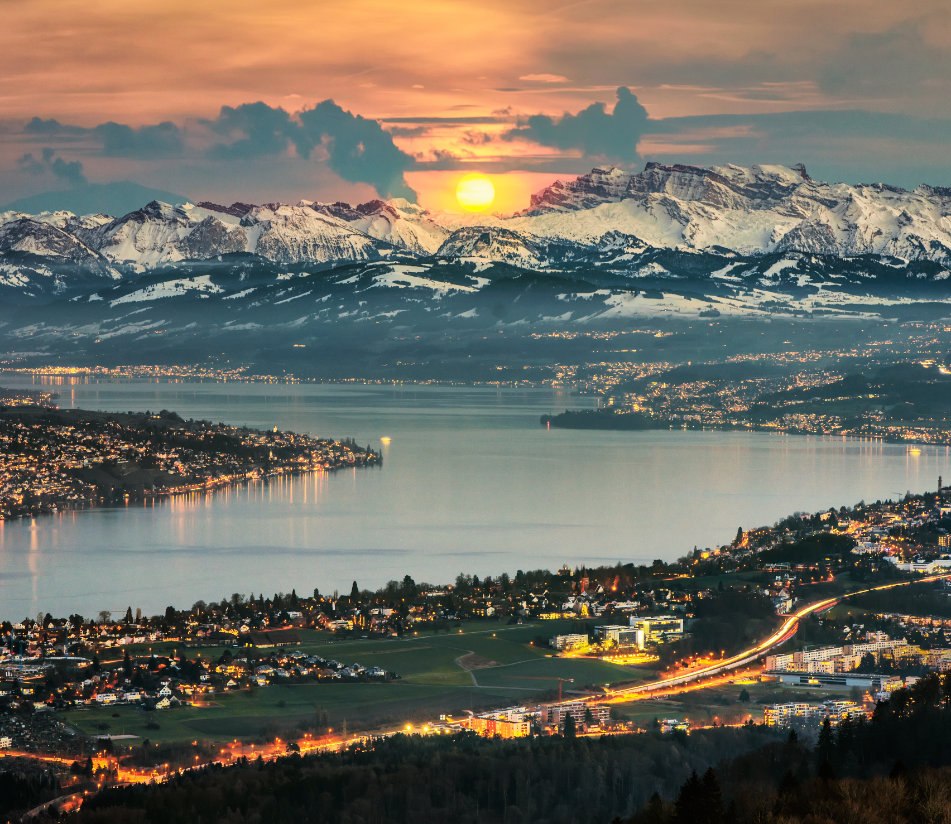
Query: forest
{"type": "Point", "coordinates": [893, 768]}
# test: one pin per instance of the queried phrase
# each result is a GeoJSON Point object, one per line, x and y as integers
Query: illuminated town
{"type": "Point", "coordinates": [53, 459]}
{"type": "Point", "coordinates": [821, 617]}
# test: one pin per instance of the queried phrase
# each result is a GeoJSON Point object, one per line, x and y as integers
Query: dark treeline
{"type": "Point", "coordinates": [813, 549]}
{"type": "Point", "coordinates": [24, 785]}
{"type": "Point", "coordinates": [891, 769]}
{"type": "Point", "coordinates": [603, 419]}
{"type": "Point", "coordinates": [894, 769]}
{"type": "Point", "coordinates": [463, 779]}
{"type": "Point", "coordinates": [908, 601]}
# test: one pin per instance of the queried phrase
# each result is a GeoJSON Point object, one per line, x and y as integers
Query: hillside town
{"type": "Point", "coordinates": [53, 459]}
{"type": "Point", "coordinates": [71, 686]}
{"type": "Point", "coordinates": [671, 616]}
{"type": "Point", "coordinates": [843, 392]}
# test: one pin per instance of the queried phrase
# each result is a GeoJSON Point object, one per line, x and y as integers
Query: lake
{"type": "Point", "coordinates": [470, 483]}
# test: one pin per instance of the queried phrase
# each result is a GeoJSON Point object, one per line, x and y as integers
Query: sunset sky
{"type": "Point", "coordinates": [350, 100]}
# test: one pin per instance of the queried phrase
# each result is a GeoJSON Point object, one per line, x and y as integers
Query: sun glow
{"type": "Point", "coordinates": [475, 192]}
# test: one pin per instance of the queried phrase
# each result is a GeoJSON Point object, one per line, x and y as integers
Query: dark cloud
{"type": "Point", "coordinates": [851, 145]}
{"type": "Point", "coordinates": [789, 127]}
{"type": "Point", "coordinates": [252, 130]}
{"type": "Point", "coordinates": [52, 128]}
{"type": "Point", "coordinates": [597, 133]}
{"type": "Point", "coordinates": [358, 149]}
{"type": "Point", "coordinates": [50, 163]}
{"type": "Point", "coordinates": [898, 61]}
{"type": "Point", "coordinates": [453, 121]}
{"type": "Point", "coordinates": [476, 138]}
{"type": "Point", "coordinates": [408, 131]}
{"type": "Point", "coordinates": [119, 140]}
{"type": "Point", "coordinates": [115, 139]}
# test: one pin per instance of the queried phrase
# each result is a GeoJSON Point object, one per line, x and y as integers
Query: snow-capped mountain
{"type": "Point", "coordinates": [669, 241]}
{"type": "Point", "coordinates": [748, 211]}
{"type": "Point", "coordinates": [751, 211]}
{"type": "Point", "coordinates": [394, 310]}
{"type": "Point", "coordinates": [398, 223]}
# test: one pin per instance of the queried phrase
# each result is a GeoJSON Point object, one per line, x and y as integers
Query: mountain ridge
{"type": "Point", "coordinates": [753, 210]}
{"type": "Point", "coordinates": [674, 242]}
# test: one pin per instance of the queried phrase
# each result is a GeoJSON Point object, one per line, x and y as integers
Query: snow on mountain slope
{"type": "Point", "coordinates": [755, 210]}
{"type": "Point", "coordinates": [606, 218]}
{"type": "Point", "coordinates": [200, 285]}
{"type": "Point", "coordinates": [159, 234]}
{"type": "Point", "coordinates": [397, 222]}
{"type": "Point", "coordinates": [414, 277]}
{"type": "Point", "coordinates": [488, 244]}
{"type": "Point", "coordinates": [190, 306]}
{"type": "Point", "coordinates": [146, 237]}
{"type": "Point", "coordinates": [295, 233]}
{"type": "Point", "coordinates": [44, 239]}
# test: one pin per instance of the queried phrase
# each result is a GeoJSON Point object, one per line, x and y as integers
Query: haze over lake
{"type": "Point", "coordinates": [470, 483]}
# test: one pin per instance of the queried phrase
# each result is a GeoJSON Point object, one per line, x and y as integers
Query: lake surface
{"type": "Point", "coordinates": [470, 483]}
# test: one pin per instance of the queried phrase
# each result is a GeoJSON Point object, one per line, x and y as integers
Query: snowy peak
{"type": "Point", "coordinates": [584, 192]}
{"type": "Point", "coordinates": [492, 244]}
{"type": "Point", "coordinates": [289, 234]}
{"type": "Point", "coordinates": [730, 187]}
{"type": "Point", "coordinates": [755, 210]}
{"type": "Point", "coordinates": [44, 239]}
{"type": "Point", "coordinates": [236, 209]}
{"type": "Point", "coordinates": [749, 210]}
{"type": "Point", "coordinates": [720, 186]}
{"type": "Point", "coordinates": [396, 222]}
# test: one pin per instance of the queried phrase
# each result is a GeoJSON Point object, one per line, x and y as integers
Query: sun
{"type": "Point", "coordinates": [475, 192]}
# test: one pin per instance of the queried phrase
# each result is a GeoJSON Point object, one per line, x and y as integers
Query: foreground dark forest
{"type": "Point", "coordinates": [895, 768]}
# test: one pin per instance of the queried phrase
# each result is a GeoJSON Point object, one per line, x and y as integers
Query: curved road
{"type": "Point", "coordinates": [786, 631]}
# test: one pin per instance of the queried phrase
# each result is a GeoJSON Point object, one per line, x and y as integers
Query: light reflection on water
{"type": "Point", "coordinates": [470, 482]}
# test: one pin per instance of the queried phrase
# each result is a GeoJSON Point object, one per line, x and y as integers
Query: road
{"type": "Point", "coordinates": [748, 656]}
{"type": "Point", "coordinates": [721, 672]}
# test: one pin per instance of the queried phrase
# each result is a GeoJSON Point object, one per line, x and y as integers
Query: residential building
{"type": "Point", "coordinates": [658, 629]}
{"type": "Point", "coordinates": [620, 635]}
{"type": "Point", "coordinates": [568, 642]}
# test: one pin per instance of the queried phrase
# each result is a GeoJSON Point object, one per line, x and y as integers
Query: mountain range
{"type": "Point", "coordinates": [670, 240]}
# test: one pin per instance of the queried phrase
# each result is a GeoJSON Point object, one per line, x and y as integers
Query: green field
{"type": "Point", "coordinates": [486, 664]}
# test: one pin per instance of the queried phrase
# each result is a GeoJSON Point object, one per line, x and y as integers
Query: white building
{"type": "Point", "coordinates": [658, 629]}
{"type": "Point", "coordinates": [922, 567]}
{"type": "Point", "coordinates": [569, 641]}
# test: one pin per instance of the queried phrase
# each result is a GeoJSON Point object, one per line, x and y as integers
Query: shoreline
{"type": "Point", "coordinates": [550, 421]}
{"type": "Point", "coordinates": [176, 492]}
{"type": "Point", "coordinates": [78, 459]}
{"type": "Point", "coordinates": [93, 376]}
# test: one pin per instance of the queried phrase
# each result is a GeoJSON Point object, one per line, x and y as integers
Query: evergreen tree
{"type": "Point", "coordinates": [825, 748]}
{"type": "Point", "coordinates": [712, 797]}
{"type": "Point", "coordinates": [688, 809]}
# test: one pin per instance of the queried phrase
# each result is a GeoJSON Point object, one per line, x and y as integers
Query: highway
{"type": "Point", "coordinates": [721, 672]}
{"type": "Point", "coordinates": [786, 631]}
